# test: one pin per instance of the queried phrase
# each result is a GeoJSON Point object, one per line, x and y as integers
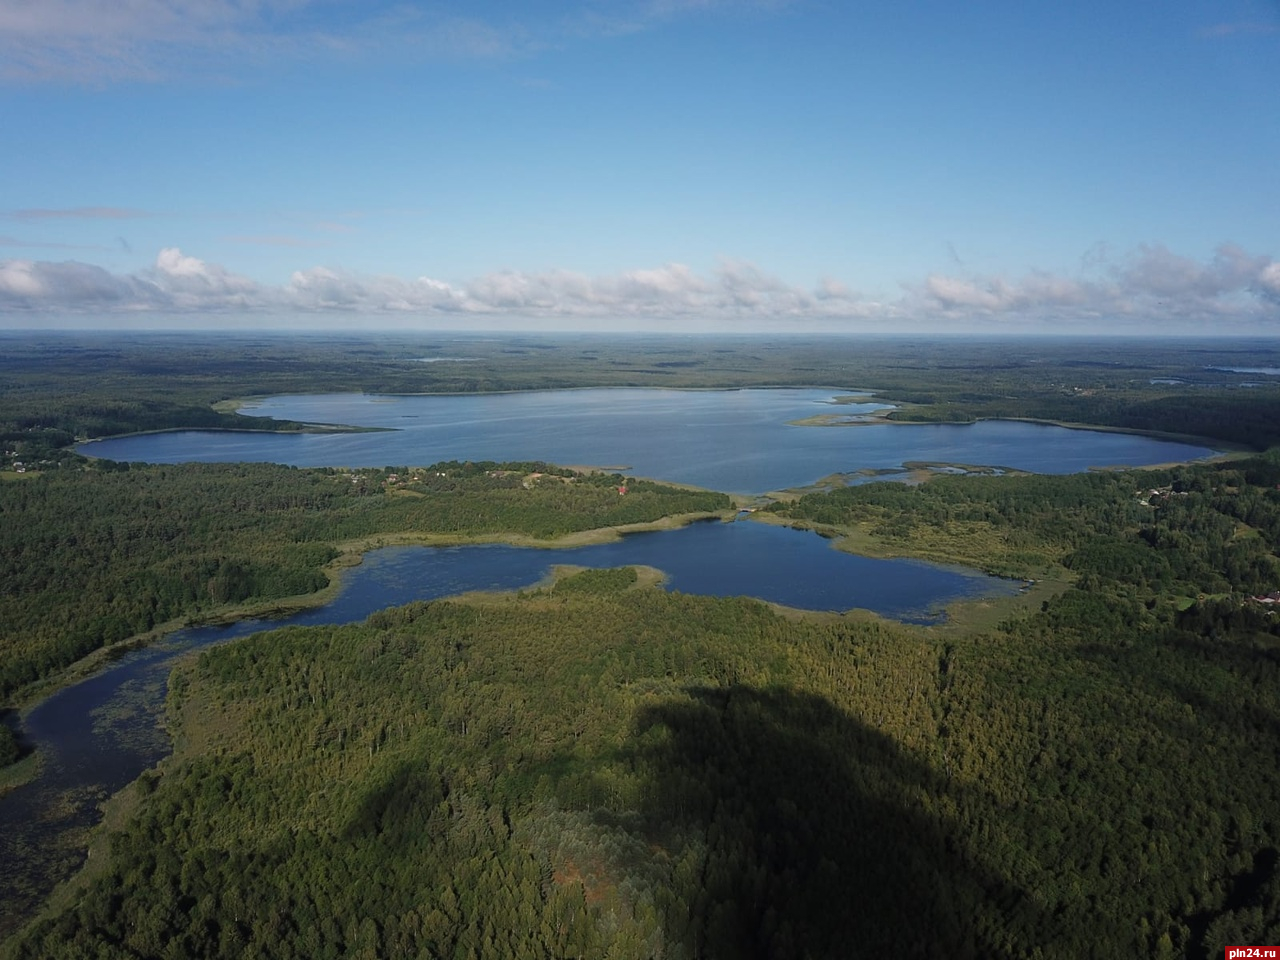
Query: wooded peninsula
{"type": "Point", "coordinates": [598, 767]}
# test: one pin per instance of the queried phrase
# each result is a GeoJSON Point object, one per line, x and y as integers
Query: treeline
{"type": "Point", "coordinates": [90, 558]}
{"type": "Point", "coordinates": [533, 499]}
{"type": "Point", "coordinates": [1016, 526]}
{"type": "Point", "coordinates": [1168, 534]}
{"type": "Point", "coordinates": [1232, 416]}
{"type": "Point", "coordinates": [622, 772]}
{"type": "Point", "coordinates": [45, 429]}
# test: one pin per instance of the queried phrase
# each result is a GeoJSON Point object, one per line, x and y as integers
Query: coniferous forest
{"type": "Point", "coordinates": [602, 768]}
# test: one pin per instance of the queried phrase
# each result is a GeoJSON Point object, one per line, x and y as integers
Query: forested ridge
{"type": "Point", "coordinates": [89, 558]}
{"type": "Point", "coordinates": [598, 769]}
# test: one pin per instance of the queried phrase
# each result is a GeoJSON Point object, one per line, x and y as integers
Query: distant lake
{"type": "Point", "coordinates": [739, 441]}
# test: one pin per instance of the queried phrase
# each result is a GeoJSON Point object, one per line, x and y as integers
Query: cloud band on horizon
{"type": "Point", "coordinates": [1150, 285]}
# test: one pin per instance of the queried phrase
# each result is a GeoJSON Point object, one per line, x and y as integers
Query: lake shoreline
{"type": "Point", "coordinates": [350, 554]}
{"type": "Point", "coordinates": [305, 428]}
{"type": "Point", "coordinates": [883, 415]}
{"type": "Point", "coordinates": [732, 440]}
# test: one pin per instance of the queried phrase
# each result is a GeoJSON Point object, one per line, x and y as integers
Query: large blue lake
{"type": "Point", "coordinates": [738, 441]}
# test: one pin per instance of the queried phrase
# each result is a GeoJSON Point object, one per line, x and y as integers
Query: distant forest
{"type": "Point", "coordinates": [601, 768]}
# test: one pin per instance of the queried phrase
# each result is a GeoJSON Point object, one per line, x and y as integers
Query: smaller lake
{"type": "Point", "coordinates": [795, 568]}
{"type": "Point", "coordinates": [101, 733]}
{"type": "Point", "coordinates": [740, 441]}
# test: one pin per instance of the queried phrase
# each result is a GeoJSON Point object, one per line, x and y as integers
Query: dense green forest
{"type": "Point", "coordinates": [89, 558]}
{"type": "Point", "coordinates": [1169, 534]}
{"type": "Point", "coordinates": [599, 768]}
{"type": "Point", "coordinates": [606, 771]}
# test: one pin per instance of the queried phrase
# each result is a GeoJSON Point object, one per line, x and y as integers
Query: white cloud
{"type": "Point", "coordinates": [171, 262]}
{"type": "Point", "coordinates": [512, 290]}
{"type": "Point", "coordinates": [673, 283]}
{"type": "Point", "coordinates": [38, 284]}
{"type": "Point", "coordinates": [1152, 286]}
{"type": "Point", "coordinates": [320, 288]}
{"type": "Point", "coordinates": [106, 41]}
{"type": "Point", "coordinates": [1269, 281]}
{"type": "Point", "coordinates": [746, 285]}
{"type": "Point", "coordinates": [951, 292]}
{"type": "Point", "coordinates": [831, 289]}
{"type": "Point", "coordinates": [1036, 291]}
{"type": "Point", "coordinates": [191, 283]}
{"type": "Point", "coordinates": [1152, 283]}
{"type": "Point", "coordinates": [20, 278]}
{"type": "Point", "coordinates": [736, 289]}
{"type": "Point", "coordinates": [110, 41]}
{"type": "Point", "coordinates": [1155, 271]}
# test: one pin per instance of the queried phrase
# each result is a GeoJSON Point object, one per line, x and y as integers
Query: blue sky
{"type": "Point", "coordinates": [670, 164]}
